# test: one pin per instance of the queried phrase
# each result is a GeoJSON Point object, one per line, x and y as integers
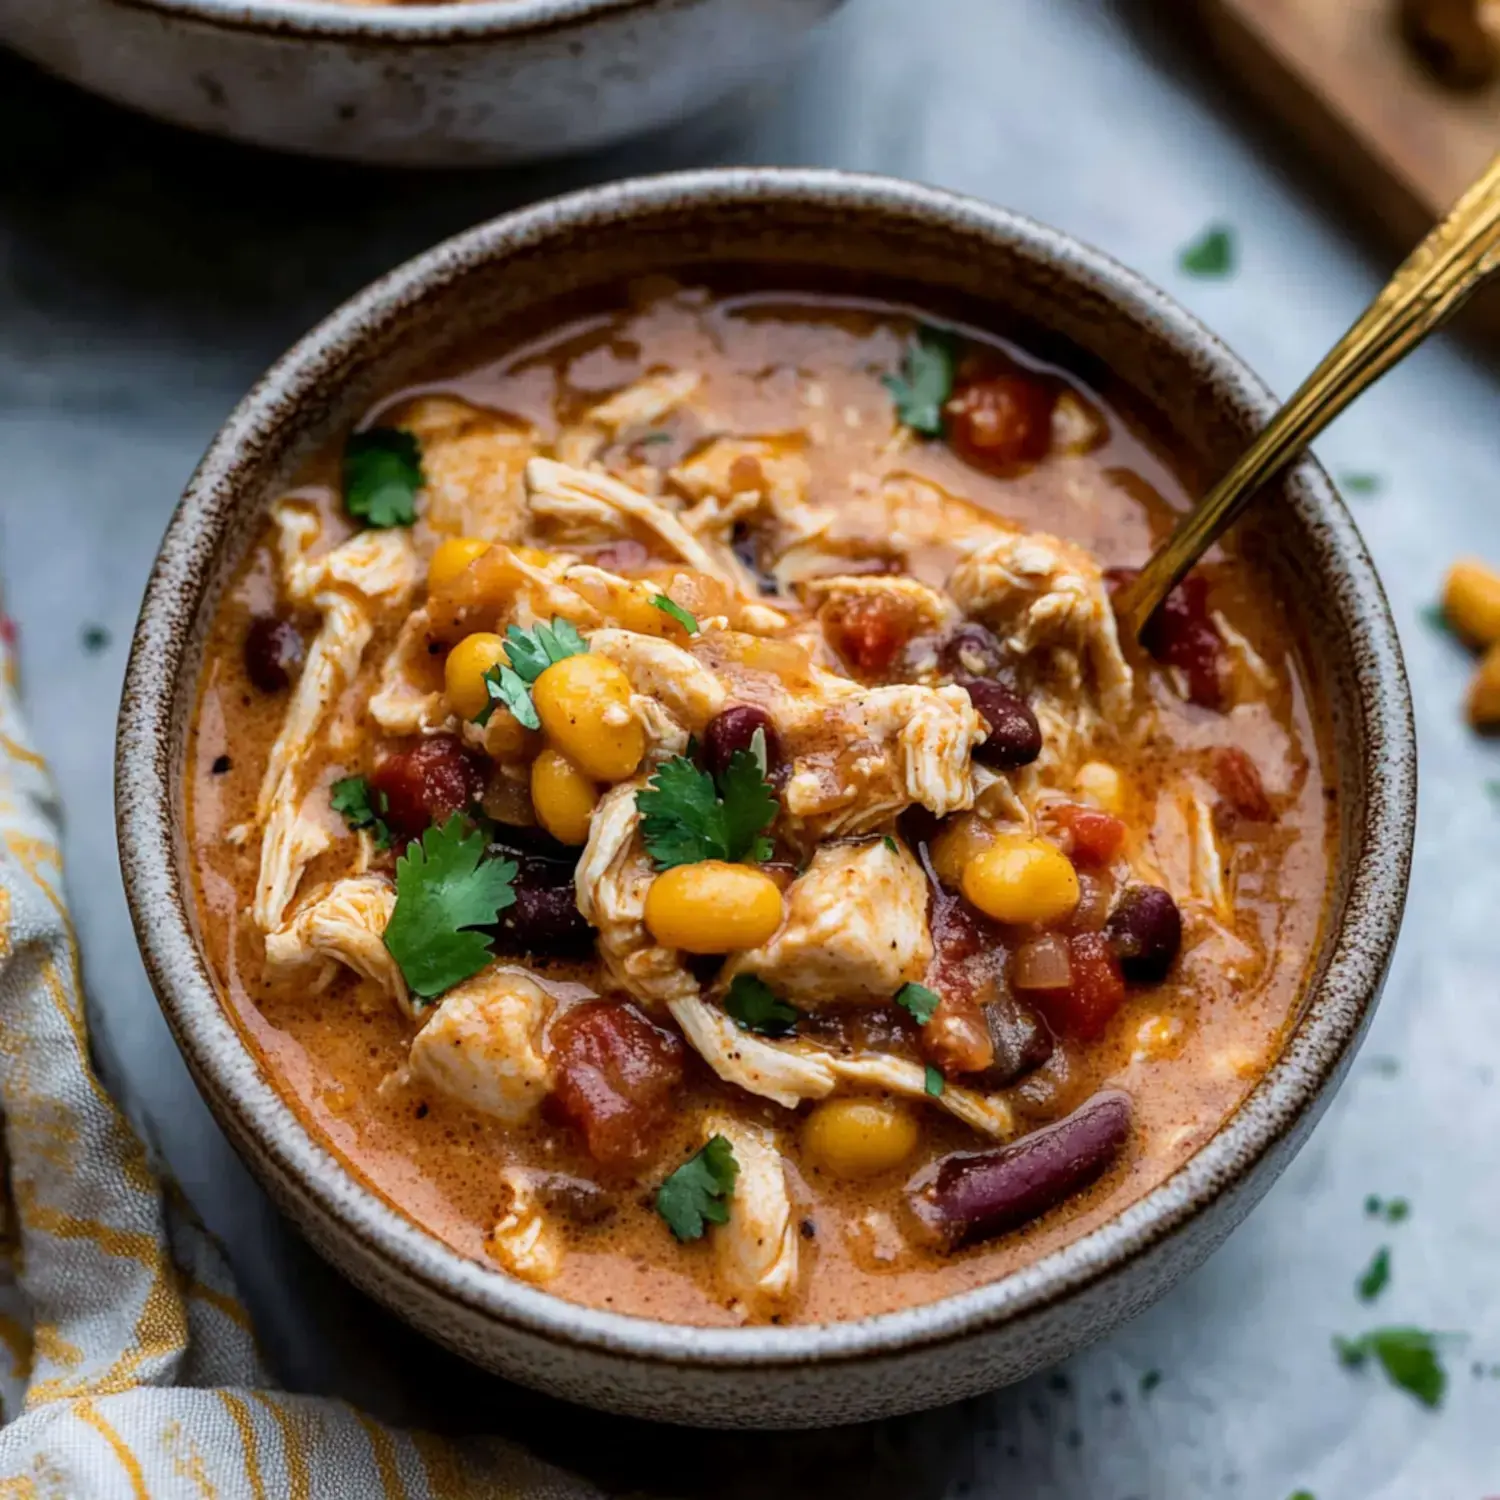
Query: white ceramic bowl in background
{"type": "Point", "coordinates": [961, 259]}
{"type": "Point", "coordinates": [424, 85]}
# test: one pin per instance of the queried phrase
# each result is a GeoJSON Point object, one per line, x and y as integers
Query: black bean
{"type": "Point", "coordinates": [578, 1199]}
{"type": "Point", "coordinates": [973, 651]}
{"type": "Point", "coordinates": [733, 730]}
{"type": "Point", "coordinates": [1021, 1040]}
{"type": "Point", "coordinates": [969, 1197]}
{"type": "Point", "coordinates": [1145, 933]}
{"type": "Point", "coordinates": [545, 917]}
{"type": "Point", "coordinates": [273, 652]}
{"type": "Point", "coordinates": [1015, 737]}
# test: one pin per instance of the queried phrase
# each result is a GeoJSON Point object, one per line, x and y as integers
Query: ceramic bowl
{"type": "Point", "coordinates": [953, 253]}
{"type": "Point", "coordinates": [414, 85]}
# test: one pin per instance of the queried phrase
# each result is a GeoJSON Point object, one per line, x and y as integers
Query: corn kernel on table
{"type": "Point", "coordinates": [146, 278]}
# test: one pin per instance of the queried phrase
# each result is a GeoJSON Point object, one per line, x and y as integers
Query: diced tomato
{"type": "Point", "coordinates": [427, 784]}
{"type": "Point", "coordinates": [1091, 838]}
{"type": "Point", "coordinates": [1182, 634]}
{"type": "Point", "coordinates": [967, 955]}
{"type": "Point", "coordinates": [869, 632]}
{"type": "Point", "coordinates": [614, 1076]}
{"type": "Point", "coordinates": [1096, 992]}
{"type": "Point", "coordinates": [1002, 421]}
{"type": "Point", "coordinates": [1238, 781]}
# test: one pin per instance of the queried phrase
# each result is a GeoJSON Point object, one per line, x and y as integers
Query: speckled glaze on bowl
{"type": "Point", "coordinates": [414, 85]}
{"type": "Point", "coordinates": [955, 251]}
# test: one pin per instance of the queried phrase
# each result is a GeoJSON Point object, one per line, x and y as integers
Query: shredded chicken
{"type": "Point", "coordinates": [756, 1251]}
{"type": "Point", "coordinates": [855, 929]}
{"type": "Point", "coordinates": [658, 669]}
{"type": "Point", "coordinates": [472, 461]}
{"type": "Point", "coordinates": [637, 406]}
{"type": "Point", "coordinates": [483, 1045]}
{"type": "Point", "coordinates": [400, 705]}
{"type": "Point", "coordinates": [342, 924]}
{"type": "Point", "coordinates": [524, 1240]}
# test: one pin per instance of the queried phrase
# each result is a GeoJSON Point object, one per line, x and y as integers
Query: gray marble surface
{"type": "Point", "coordinates": [147, 277]}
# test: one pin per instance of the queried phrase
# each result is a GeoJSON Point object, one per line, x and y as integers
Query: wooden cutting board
{"type": "Point", "coordinates": [1399, 146]}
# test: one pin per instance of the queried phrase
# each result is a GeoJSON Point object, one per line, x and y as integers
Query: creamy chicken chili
{"type": "Point", "coordinates": [673, 811]}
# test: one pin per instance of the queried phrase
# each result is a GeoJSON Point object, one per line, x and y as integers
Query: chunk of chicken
{"type": "Point", "coordinates": [612, 879]}
{"type": "Point", "coordinates": [380, 566]}
{"type": "Point", "coordinates": [1047, 597]}
{"type": "Point", "coordinates": [657, 669]}
{"type": "Point", "coordinates": [292, 839]}
{"type": "Point", "coordinates": [756, 1252]}
{"type": "Point", "coordinates": [855, 929]}
{"type": "Point", "coordinates": [345, 924]}
{"type": "Point", "coordinates": [773, 469]}
{"type": "Point", "coordinates": [483, 1045]}
{"type": "Point", "coordinates": [640, 405]}
{"type": "Point", "coordinates": [472, 461]}
{"type": "Point", "coordinates": [583, 505]}
{"type": "Point", "coordinates": [869, 755]}
{"type": "Point", "coordinates": [401, 704]}
{"type": "Point", "coordinates": [915, 604]}
{"type": "Point", "coordinates": [788, 1072]}
{"type": "Point", "coordinates": [524, 1240]}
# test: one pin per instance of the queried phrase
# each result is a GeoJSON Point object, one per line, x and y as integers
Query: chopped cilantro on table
{"type": "Point", "coordinates": [382, 474]}
{"type": "Point", "coordinates": [925, 383]}
{"type": "Point", "coordinates": [686, 817]}
{"type": "Point", "coordinates": [697, 1194]}
{"type": "Point", "coordinates": [445, 889]}
{"type": "Point", "coordinates": [1392, 1210]}
{"type": "Point", "coordinates": [932, 1082]}
{"type": "Point", "coordinates": [1361, 484]}
{"type": "Point", "coordinates": [506, 688]}
{"type": "Point", "coordinates": [1409, 1357]}
{"type": "Point", "coordinates": [919, 1002]}
{"type": "Point", "coordinates": [362, 807]}
{"type": "Point", "coordinates": [754, 1006]}
{"type": "Point", "coordinates": [1211, 254]}
{"type": "Point", "coordinates": [1302, 1495]}
{"type": "Point", "coordinates": [1435, 616]}
{"type": "Point", "coordinates": [686, 619]}
{"type": "Point", "coordinates": [532, 651]}
{"type": "Point", "coordinates": [1376, 1276]}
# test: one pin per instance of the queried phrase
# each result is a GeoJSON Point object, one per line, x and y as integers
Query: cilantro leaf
{"type": "Point", "coordinates": [382, 474]}
{"type": "Point", "coordinates": [504, 686]}
{"type": "Point", "coordinates": [1211, 254]}
{"type": "Point", "coordinates": [697, 1194]}
{"type": "Point", "coordinates": [1392, 1210]}
{"type": "Point", "coordinates": [445, 888]}
{"type": "Point", "coordinates": [891, 844]}
{"type": "Point", "coordinates": [532, 651]}
{"type": "Point", "coordinates": [922, 388]}
{"type": "Point", "coordinates": [1150, 1379]}
{"type": "Point", "coordinates": [1354, 483]}
{"type": "Point", "coordinates": [361, 806]}
{"type": "Point", "coordinates": [755, 1007]}
{"type": "Point", "coordinates": [1409, 1357]}
{"type": "Point", "coordinates": [1376, 1275]}
{"type": "Point", "coordinates": [750, 806]}
{"type": "Point", "coordinates": [682, 819]}
{"type": "Point", "coordinates": [685, 818]}
{"type": "Point", "coordinates": [933, 1082]}
{"type": "Point", "coordinates": [687, 620]}
{"type": "Point", "coordinates": [918, 1001]}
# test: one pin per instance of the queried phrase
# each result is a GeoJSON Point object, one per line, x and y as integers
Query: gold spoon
{"type": "Point", "coordinates": [1431, 285]}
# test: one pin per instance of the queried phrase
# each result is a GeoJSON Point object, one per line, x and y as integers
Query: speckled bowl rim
{"type": "Point", "coordinates": [1294, 1086]}
{"type": "Point", "coordinates": [406, 25]}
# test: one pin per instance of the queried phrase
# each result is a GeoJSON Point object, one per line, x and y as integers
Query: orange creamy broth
{"type": "Point", "coordinates": [777, 363]}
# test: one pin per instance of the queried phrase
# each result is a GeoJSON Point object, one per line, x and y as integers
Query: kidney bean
{"type": "Point", "coordinates": [428, 784]}
{"type": "Point", "coordinates": [1015, 737]}
{"type": "Point", "coordinates": [576, 1199]}
{"type": "Point", "coordinates": [734, 729]}
{"type": "Point", "coordinates": [1090, 838]}
{"type": "Point", "coordinates": [1019, 1039]}
{"type": "Point", "coordinates": [273, 652]}
{"type": "Point", "coordinates": [1002, 421]}
{"type": "Point", "coordinates": [615, 1076]}
{"type": "Point", "coordinates": [1182, 634]}
{"type": "Point", "coordinates": [1237, 779]}
{"type": "Point", "coordinates": [545, 918]}
{"type": "Point", "coordinates": [970, 1197]}
{"type": "Point", "coordinates": [972, 650]}
{"type": "Point", "coordinates": [1144, 932]}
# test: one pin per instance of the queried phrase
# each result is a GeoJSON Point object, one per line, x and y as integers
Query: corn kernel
{"type": "Point", "coordinates": [463, 673]}
{"type": "Point", "coordinates": [1101, 785]}
{"type": "Point", "coordinates": [1484, 691]}
{"type": "Point", "coordinates": [1471, 601]}
{"type": "Point", "coordinates": [452, 557]}
{"type": "Point", "coordinates": [562, 797]}
{"type": "Point", "coordinates": [858, 1138]}
{"type": "Point", "coordinates": [712, 907]}
{"type": "Point", "coordinates": [584, 705]}
{"type": "Point", "coordinates": [1021, 880]}
{"type": "Point", "coordinates": [956, 843]}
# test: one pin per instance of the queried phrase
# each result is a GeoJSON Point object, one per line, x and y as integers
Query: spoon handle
{"type": "Point", "coordinates": [1429, 288]}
